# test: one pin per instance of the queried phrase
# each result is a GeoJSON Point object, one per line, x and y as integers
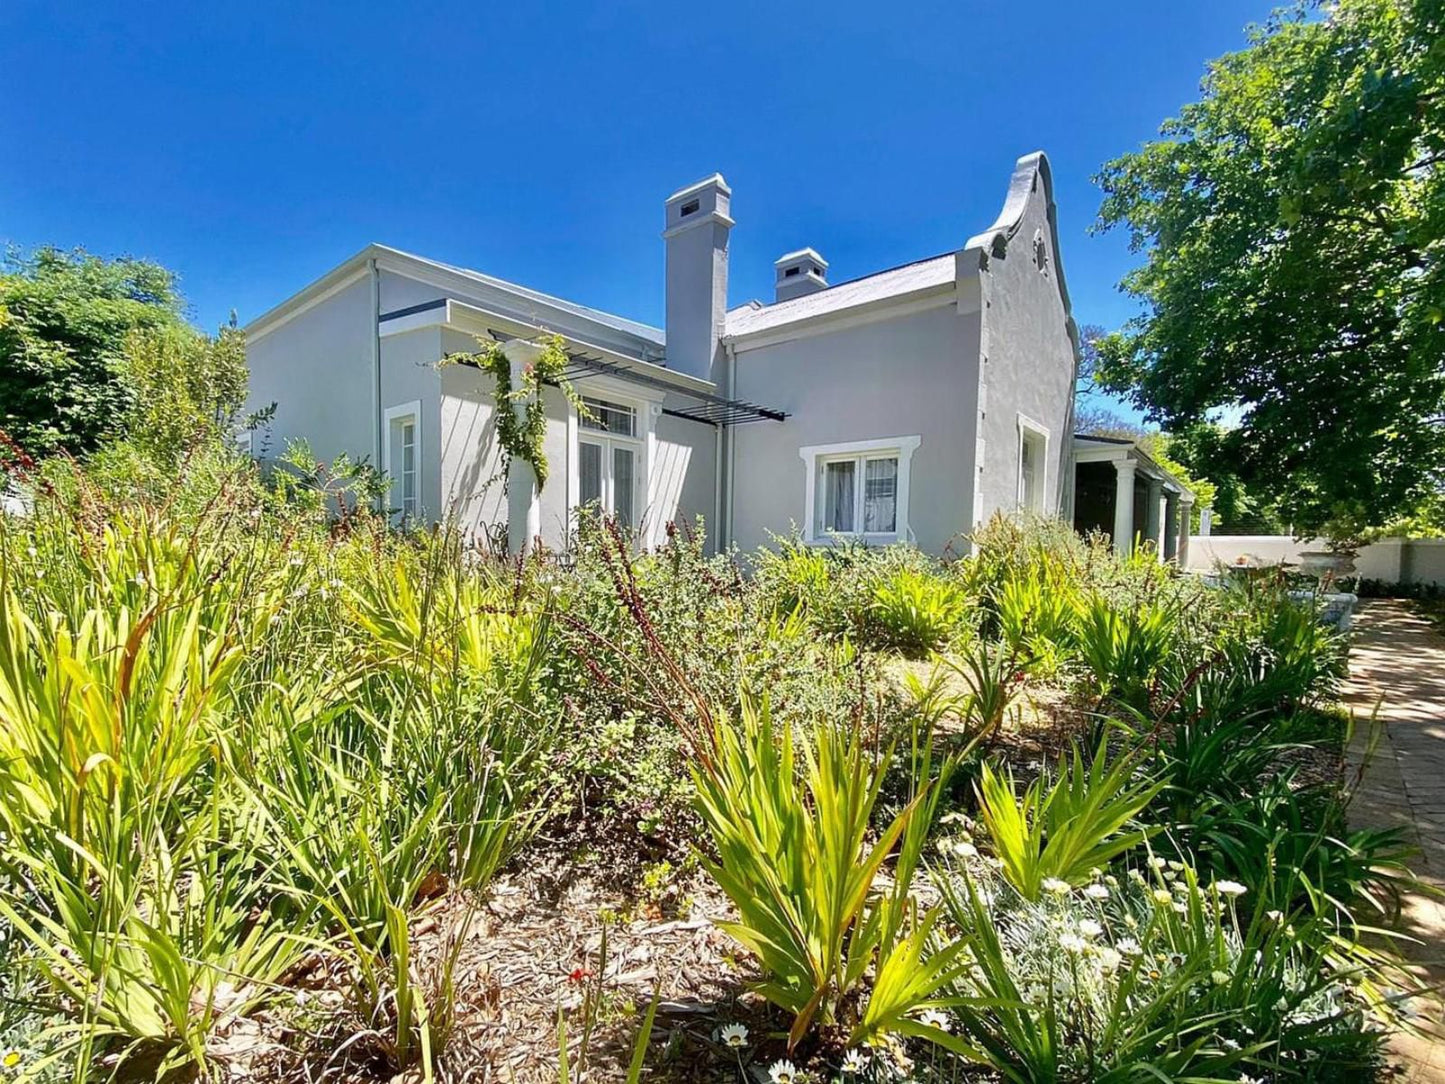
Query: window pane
{"type": "Point", "coordinates": [622, 487]}
{"type": "Point", "coordinates": [880, 496]}
{"type": "Point", "coordinates": [1031, 467]}
{"type": "Point", "coordinates": [589, 473]}
{"type": "Point", "coordinates": [608, 417]}
{"type": "Point", "coordinates": [403, 465]}
{"type": "Point", "coordinates": [838, 482]}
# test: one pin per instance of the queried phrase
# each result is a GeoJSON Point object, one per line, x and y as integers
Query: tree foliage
{"type": "Point", "coordinates": [1292, 222]}
{"type": "Point", "coordinates": [184, 387]}
{"type": "Point", "coordinates": [65, 318]}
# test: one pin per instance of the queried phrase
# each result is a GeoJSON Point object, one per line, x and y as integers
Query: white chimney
{"type": "Point", "coordinates": [697, 276]}
{"type": "Point", "coordinates": [800, 273]}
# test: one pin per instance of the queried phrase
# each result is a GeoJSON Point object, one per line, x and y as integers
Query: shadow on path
{"type": "Point", "coordinates": [1397, 668]}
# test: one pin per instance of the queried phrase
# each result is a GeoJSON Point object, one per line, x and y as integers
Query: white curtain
{"type": "Point", "coordinates": [838, 482]}
{"type": "Point", "coordinates": [880, 496]}
{"type": "Point", "coordinates": [622, 485]}
{"type": "Point", "coordinates": [589, 473]}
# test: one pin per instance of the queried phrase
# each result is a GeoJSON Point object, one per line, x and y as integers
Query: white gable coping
{"type": "Point", "coordinates": [981, 246]}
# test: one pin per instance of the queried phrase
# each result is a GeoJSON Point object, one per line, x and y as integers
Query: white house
{"type": "Point", "coordinates": [908, 404]}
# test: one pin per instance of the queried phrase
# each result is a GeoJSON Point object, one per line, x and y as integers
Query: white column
{"type": "Point", "coordinates": [524, 510]}
{"type": "Point", "coordinates": [1170, 548]}
{"type": "Point", "coordinates": [1123, 506]}
{"type": "Point", "coordinates": [1186, 513]}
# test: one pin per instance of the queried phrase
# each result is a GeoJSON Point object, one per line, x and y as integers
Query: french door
{"type": "Point", "coordinates": [607, 476]}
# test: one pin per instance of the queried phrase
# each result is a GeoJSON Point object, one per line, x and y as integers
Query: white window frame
{"type": "Point", "coordinates": [1027, 428]}
{"type": "Point", "coordinates": [392, 417]}
{"type": "Point", "coordinates": [815, 456]}
{"type": "Point", "coordinates": [646, 404]}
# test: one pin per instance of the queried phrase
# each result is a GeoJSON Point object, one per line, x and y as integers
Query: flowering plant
{"type": "Point", "coordinates": [1153, 969]}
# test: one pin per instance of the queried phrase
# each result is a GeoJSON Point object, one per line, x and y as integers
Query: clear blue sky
{"type": "Point", "coordinates": [250, 147]}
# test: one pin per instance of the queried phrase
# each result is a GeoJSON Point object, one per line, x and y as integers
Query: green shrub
{"type": "Point", "coordinates": [1038, 613]}
{"type": "Point", "coordinates": [915, 613]}
{"type": "Point", "coordinates": [1123, 649]}
{"type": "Point", "coordinates": [232, 738]}
{"type": "Point", "coordinates": [1144, 978]}
{"type": "Point", "coordinates": [793, 577]}
{"type": "Point", "coordinates": [993, 677]}
{"type": "Point", "coordinates": [796, 856]}
{"type": "Point", "coordinates": [1059, 833]}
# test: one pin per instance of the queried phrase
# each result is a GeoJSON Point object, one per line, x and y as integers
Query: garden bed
{"type": "Point", "coordinates": [347, 803]}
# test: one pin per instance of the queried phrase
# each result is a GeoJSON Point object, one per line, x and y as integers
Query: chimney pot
{"type": "Point", "coordinates": [799, 274]}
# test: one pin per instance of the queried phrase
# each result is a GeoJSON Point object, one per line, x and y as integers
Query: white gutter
{"type": "Point", "coordinates": [376, 368]}
{"type": "Point", "coordinates": [732, 382]}
{"type": "Point", "coordinates": [717, 489]}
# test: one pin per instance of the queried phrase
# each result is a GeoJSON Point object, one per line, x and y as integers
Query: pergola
{"type": "Point", "coordinates": [1121, 490]}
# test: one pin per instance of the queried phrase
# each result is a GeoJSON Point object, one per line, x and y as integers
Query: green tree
{"type": "Point", "coordinates": [184, 386]}
{"type": "Point", "coordinates": [1294, 282]}
{"type": "Point", "coordinates": [64, 320]}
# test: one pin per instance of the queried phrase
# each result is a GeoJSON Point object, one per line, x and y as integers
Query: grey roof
{"type": "Point", "coordinates": [617, 323]}
{"type": "Point", "coordinates": [910, 278]}
{"type": "Point", "coordinates": [522, 299]}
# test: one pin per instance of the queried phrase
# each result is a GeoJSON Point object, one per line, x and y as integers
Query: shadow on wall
{"type": "Point", "coordinates": [664, 484]}
{"type": "Point", "coordinates": [471, 468]}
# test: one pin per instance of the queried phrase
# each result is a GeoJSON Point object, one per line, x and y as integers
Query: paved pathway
{"type": "Point", "coordinates": [1398, 663]}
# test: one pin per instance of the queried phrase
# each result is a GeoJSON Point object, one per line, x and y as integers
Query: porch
{"type": "Point", "coordinates": [1121, 491]}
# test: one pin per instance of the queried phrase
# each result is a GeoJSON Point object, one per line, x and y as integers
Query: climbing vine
{"type": "Point", "coordinates": [522, 435]}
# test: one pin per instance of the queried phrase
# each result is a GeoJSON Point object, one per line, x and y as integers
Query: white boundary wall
{"type": "Point", "coordinates": [1394, 560]}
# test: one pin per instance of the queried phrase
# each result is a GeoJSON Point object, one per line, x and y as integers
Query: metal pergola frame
{"type": "Point", "coordinates": [711, 409]}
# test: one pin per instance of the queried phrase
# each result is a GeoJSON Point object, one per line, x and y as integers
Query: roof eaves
{"type": "Point", "coordinates": [402, 261]}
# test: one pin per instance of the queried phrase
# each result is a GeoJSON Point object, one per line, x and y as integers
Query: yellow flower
{"type": "Point", "coordinates": [11, 1059]}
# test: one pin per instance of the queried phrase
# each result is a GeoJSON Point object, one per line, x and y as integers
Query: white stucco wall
{"type": "Point", "coordinates": [1029, 368]}
{"type": "Point", "coordinates": [471, 462]}
{"type": "Point", "coordinates": [1391, 560]}
{"type": "Point", "coordinates": [914, 374]}
{"type": "Point", "coordinates": [682, 482]}
{"type": "Point", "coordinates": [316, 368]}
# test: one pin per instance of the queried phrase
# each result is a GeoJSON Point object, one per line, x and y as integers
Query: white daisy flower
{"type": "Point", "coordinates": [1230, 888]}
{"type": "Point", "coordinates": [1129, 947]}
{"type": "Point", "coordinates": [783, 1071]}
{"type": "Point", "coordinates": [734, 1035]}
{"type": "Point", "coordinates": [1089, 928]}
{"type": "Point", "coordinates": [1073, 943]}
{"type": "Point", "coordinates": [1097, 892]}
{"type": "Point", "coordinates": [1056, 886]}
{"type": "Point", "coordinates": [855, 1062]}
{"type": "Point", "coordinates": [934, 1019]}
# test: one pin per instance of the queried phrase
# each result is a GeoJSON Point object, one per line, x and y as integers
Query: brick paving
{"type": "Point", "coordinates": [1397, 668]}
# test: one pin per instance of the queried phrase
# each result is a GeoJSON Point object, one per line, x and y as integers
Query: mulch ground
{"type": "Point", "coordinates": [573, 935]}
